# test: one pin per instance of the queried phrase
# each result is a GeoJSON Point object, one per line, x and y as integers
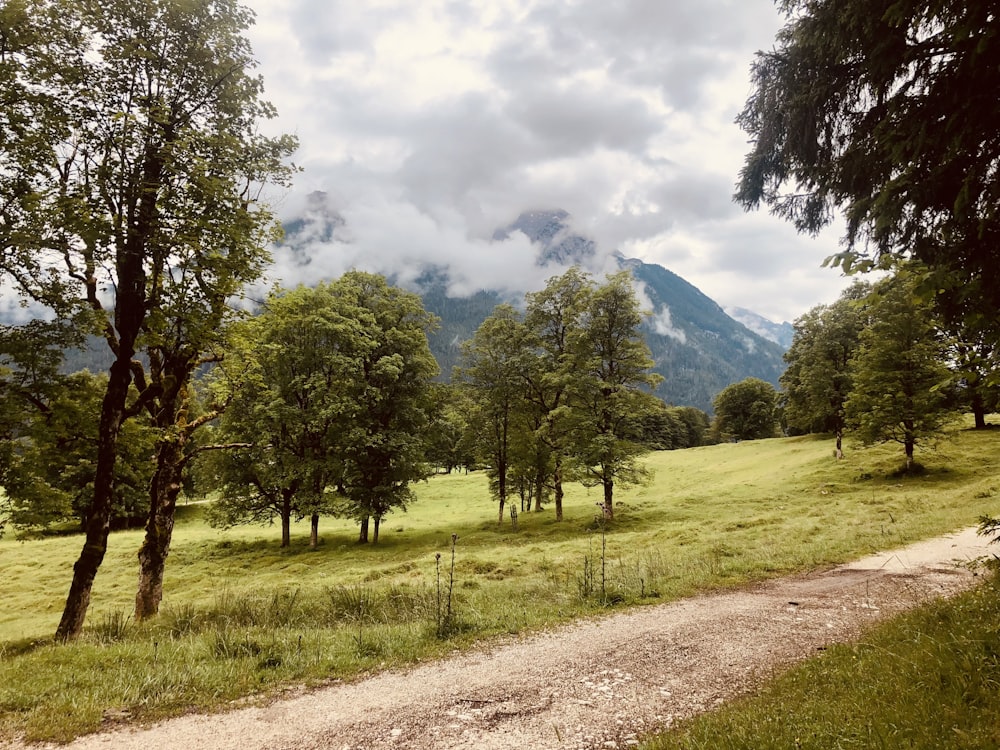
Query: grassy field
{"type": "Point", "coordinates": [242, 616]}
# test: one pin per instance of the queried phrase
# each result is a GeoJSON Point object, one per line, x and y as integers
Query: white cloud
{"type": "Point", "coordinates": [432, 124]}
{"type": "Point", "coordinates": [664, 326]}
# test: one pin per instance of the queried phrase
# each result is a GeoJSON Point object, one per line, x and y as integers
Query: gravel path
{"type": "Point", "coordinates": [594, 684]}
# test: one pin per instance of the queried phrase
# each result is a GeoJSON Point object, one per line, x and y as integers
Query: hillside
{"type": "Point", "coordinates": [697, 347]}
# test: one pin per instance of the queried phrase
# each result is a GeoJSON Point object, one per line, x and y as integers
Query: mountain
{"type": "Point", "coordinates": [558, 245]}
{"type": "Point", "coordinates": [696, 346]}
{"type": "Point", "coordinates": [779, 333]}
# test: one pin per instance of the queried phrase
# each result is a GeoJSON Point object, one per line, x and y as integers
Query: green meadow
{"type": "Point", "coordinates": [243, 617]}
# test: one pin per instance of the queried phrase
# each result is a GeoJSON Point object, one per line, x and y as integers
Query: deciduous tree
{"type": "Point", "coordinates": [613, 363]}
{"type": "Point", "coordinates": [492, 368]}
{"type": "Point", "coordinates": [746, 410]}
{"type": "Point", "coordinates": [384, 448]}
{"type": "Point", "coordinates": [129, 184]}
{"type": "Point", "coordinates": [818, 379]}
{"type": "Point", "coordinates": [552, 319]}
{"type": "Point", "coordinates": [901, 380]}
{"type": "Point", "coordinates": [48, 436]}
{"type": "Point", "coordinates": [292, 377]}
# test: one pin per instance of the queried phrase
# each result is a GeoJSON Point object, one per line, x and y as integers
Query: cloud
{"type": "Point", "coordinates": [663, 325]}
{"type": "Point", "coordinates": [429, 125]}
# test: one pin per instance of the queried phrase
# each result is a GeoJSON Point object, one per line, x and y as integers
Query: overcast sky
{"type": "Point", "coordinates": [431, 123]}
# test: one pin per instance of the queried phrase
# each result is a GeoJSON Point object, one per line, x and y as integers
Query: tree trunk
{"type": "Point", "coordinates": [171, 420]}
{"type": "Point", "coordinates": [314, 531]}
{"type": "Point", "coordinates": [130, 312]}
{"type": "Point", "coordinates": [98, 523]}
{"type": "Point", "coordinates": [501, 487]}
{"type": "Point", "coordinates": [286, 518]}
{"type": "Point", "coordinates": [378, 523]}
{"type": "Point", "coordinates": [609, 490]}
{"type": "Point", "coordinates": [557, 485]}
{"type": "Point", "coordinates": [978, 407]}
{"type": "Point", "coordinates": [363, 534]}
{"type": "Point", "coordinates": [164, 489]}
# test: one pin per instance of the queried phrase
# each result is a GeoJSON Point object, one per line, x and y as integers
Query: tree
{"type": "Point", "coordinates": [49, 437]}
{"type": "Point", "coordinates": [817, 381]}
{"type": "Point", "coordinates": [613, 363]}
{"type": "Point", "coordinates": [447, 445]}
{"type": "Point", "coordinates": [552, 318]}
{"type": "Point", "coordinates": [291, 376]}
{"type": "Point", "coordinates": [973, 355]}
{"type": "Point", "coordinates": [129, 184]}
{"type": "Point", "coordinates": [696, 423]}
{"type": "Point", "coordinates": [657, 426]}
{"type": "Point", "coordinates": [331, 397]}
{"type": "Point", "coordinates": [50, 472]}
{"type": "Point", "coordinates": [384, 449]}
{"type": "Point", "coordinates": [746, 410]}
{"type": "Point", "coordinates": [886, 111]}
{"type": "Point", "coordinates": [901, 381]}
{"type": "Point", "coordinates": [492, 368]}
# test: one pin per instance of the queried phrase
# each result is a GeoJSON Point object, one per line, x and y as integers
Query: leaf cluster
{"type": "Point", "coordinates": [885, 111]}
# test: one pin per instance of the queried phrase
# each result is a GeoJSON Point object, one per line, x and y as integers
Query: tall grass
{"type": "Point", "coordinates": [242, 616]}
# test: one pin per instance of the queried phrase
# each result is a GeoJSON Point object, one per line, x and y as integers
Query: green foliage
{"type": "Point", "coordinates": [557, 393]}
{"type": "Point", "coordinates": [901, 382]}
{"type": "Point", "coordinates": [501, 424]}
{"type": "Point", "coordinates": [330, 393]}
{"type": "Point", "coordinates": [50, 477]}
{"type": "Point", "coordinates": [660, 427]}
{"type": "Point", "coordinates": [49, 434]}
{"type": "Point", "coordinates": [746, 410]}
{"type": "Point", "coordinates": [818, 379]}
{"type": "Point", "coordinates": [447, 443]}
{"type": "Point", "coordinates": [884, 110]}
{"type": "Point", "coordinates": [928, 679]}
{"type": "Point", "coordinates": [384, 449]}
{"type": "Point", "coordinates": [612, 362]}
{"type": "Point", "coordinates": [132, 168]}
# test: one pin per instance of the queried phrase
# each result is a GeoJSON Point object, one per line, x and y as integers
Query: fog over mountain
{"type": "Point", "coordinates": [323, 243]}
{"type": "Point", "coordinates": [696, 346]}
{"type": "Point", "coordinates": [779, 333]}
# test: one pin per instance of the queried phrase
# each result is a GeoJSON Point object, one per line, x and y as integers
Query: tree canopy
{"type": "Point", "coordinates": [901, 378]}
{"type": "Point", "coordinates": [887, 111]}
{"type": "Point", "coordinates": [558, 391]}
{"type": "Point", "coordinates": [746, 410]}
{"type": "Point", "coordinates": [331, 394]}
{"type": "Point", "coordinates": [818, 379]}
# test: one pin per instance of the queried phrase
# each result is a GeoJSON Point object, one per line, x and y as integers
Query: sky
{"type": "Point", "coordinates": [427, 125]}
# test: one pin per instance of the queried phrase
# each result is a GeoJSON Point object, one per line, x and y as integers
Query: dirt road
{"type": "Point", "coordinates": [594, 684]}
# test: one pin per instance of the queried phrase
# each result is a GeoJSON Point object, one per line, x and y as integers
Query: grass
{"type": "Point", "coordinates": [243, 617]}
{"type": "Point", "coordinates": [929, 679]}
